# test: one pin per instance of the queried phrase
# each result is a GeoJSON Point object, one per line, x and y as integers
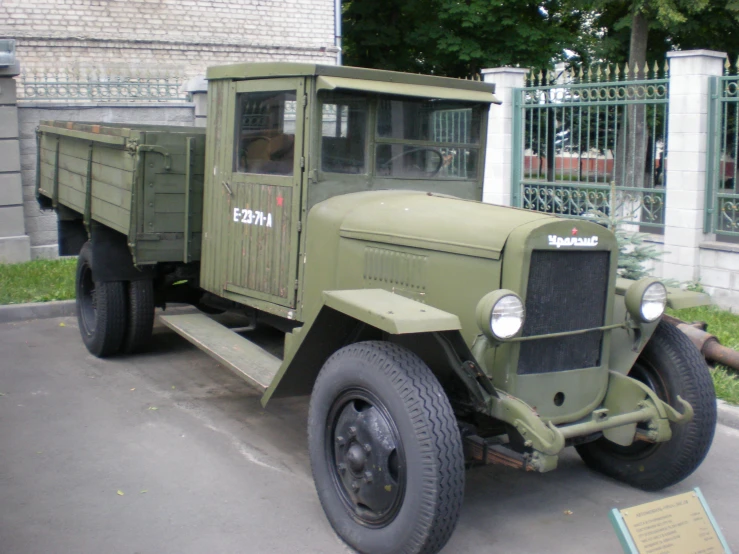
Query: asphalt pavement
{"type": "Point", "coordinates": [168, 452]}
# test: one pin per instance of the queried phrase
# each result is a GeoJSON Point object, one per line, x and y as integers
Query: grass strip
{"type": "Point", "coordinates": [37, 281]}
{"type": "Point", "coordinates": [725, 325]}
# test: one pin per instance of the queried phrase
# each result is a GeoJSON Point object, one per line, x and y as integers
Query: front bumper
{"type": "Point", "coordinates": [627, 403]}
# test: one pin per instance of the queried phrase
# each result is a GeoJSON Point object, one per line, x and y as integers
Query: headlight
{"type": "Point", "coordinates": [646, 300]}
{"type": "Point", "coordinates": [653, 302]}
{"type": "Point", "coordinates": [500, 314]}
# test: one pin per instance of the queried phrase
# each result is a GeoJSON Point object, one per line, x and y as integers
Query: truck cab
{"type": "Point", "coordinates": [283, 138]}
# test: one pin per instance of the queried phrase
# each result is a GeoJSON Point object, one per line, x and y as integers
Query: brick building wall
{"type": "Point", "coordinates": [180, 36]}
{"type": "Point", "coordinates": [174, 38]}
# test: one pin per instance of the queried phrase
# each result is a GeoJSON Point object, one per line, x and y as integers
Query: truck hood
{"type": "Point", "coordinates": [429, 221]}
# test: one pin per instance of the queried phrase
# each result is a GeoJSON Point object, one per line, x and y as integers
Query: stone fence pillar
{"type": "Point", "coordinates": [15, 245]}
{"type": "Point", "coordinates": [687, 139]}
{"type": "Point", "coordinates": [198, 90]}
{"type": "Point", "coordinates": [499, 154]}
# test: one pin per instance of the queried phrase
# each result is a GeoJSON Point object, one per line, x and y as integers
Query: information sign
{"type": "Point", "coordinates": [680, 524]}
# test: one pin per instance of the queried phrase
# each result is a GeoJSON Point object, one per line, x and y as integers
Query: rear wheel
{"type": "Point", "coordinates": [101, 308]}
{"type": "Point", "coordinates": [140, 316]}
{"type": "Point", "coordinates": [385, 450]}
{"type": "Point", "coordinates": [670, 365]}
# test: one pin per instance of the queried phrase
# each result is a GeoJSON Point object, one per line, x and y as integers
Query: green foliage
{"type": "Point", "coordinates": [673, 24]}
{"type": "Point", "coordinates": [457, 39]}
{"type": "Point", "coordinates": [695, 286]}
{"type": "Point", "coordinates": [37, 281]}
{"type": "Point", "coordinates": [633, 250]}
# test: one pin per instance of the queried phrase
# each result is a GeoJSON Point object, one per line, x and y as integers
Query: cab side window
{"type": "Point", "coordinates": [265, 132]}
{"type": "Point", "coordinates": [343, 133]}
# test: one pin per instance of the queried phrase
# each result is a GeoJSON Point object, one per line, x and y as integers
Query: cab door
{"type": "Point", "coordinates": [265, 170]}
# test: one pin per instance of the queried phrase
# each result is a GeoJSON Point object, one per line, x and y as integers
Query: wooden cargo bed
{"type": "Point", "coordinates": [143, 181]}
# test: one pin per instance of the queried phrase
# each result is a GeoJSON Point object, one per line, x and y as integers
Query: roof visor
{"type": "Point", "coordinates": [404, 89]}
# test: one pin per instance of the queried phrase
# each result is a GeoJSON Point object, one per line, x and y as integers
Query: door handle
{"type": "Point", "coordinates": [228, 188]}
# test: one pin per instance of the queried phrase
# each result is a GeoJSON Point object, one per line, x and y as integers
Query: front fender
{"type": "Point", "coordinates": [627, 344]}
{"type": "Point", "coordinates": [340, 320]}
{"type": "Point", "coordinates": [390, 312]}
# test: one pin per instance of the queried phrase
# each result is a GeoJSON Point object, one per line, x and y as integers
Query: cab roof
{"type": "Point", "coordinates": [358, 78]}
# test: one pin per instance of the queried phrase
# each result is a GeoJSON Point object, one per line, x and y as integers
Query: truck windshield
{"type": "Point", "coordinates": [427, 138]}
{"type": "Point", "coordinates": [343, 133]}
{"type": "Point", "coordinates": [413, 139]}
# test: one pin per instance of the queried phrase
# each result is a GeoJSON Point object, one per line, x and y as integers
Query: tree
{"type": "Point", "coordinates": [458, 38]}
{"type": "Point", "coordinates": [642, 31]}
{"type": "Point", "coordinates": [613, 20]}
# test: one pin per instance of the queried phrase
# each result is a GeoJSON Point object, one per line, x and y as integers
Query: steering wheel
{"type": "Point", "coordinates": [428, 173]}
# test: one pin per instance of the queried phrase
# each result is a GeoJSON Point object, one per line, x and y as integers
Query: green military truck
{"type": "Point", "coordinates": [342, 206]}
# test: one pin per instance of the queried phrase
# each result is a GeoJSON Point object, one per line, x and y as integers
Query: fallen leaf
{"type": "Point", "coordinates": [568, 512]}
{"type": "Point", "coordinates": [144, 491]}
{"type": "Point", "coordinates": [153, 408]}
{"type": "Point", "coordinates": [119, 493]}
{"type": "Point", "coordinates": [133, 388]}
{"type": "Point", "coordinates": [62, 324]}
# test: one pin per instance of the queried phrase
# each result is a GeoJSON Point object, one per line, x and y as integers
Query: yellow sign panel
{"type": "Point", "coordinates": [675, 525]}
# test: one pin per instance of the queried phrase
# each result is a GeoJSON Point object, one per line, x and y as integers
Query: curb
{"type": "Point", "coordinates": [727, 414]}
{"type": "Point", "coordinates": [37, 310]}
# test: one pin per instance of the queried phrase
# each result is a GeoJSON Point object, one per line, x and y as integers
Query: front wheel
{"type": "Point", "coordinates": [670, 365]}
{"type": "Point", "coordinates": [385, 450]}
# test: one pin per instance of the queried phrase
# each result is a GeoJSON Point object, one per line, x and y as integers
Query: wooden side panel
{"type": "Point", "coordinates": [251, 219]}
{"type": "Point", "coordinates": [109, 183]}
{"type": "Point", "coordinates": [47, 165]}
{"type": "Point", "coordinates": [215, 197]}
{"type": "Point", "coordinates": [172, 206]}
{"type": "Point", "coordinates": [106, 180]}
{"type": "Point", "coordinates": [72, 186]}
{"type": "Point", "coordinates": [260, 229]}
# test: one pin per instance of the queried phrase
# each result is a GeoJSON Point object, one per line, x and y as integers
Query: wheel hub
{"type": "Point", "coordinates": [367, 453]}
{"type": "Point", "coordinates": [356, 458]}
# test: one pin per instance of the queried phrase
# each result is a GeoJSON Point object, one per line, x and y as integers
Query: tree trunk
{"type": "Point", "coordinates": [633, 141]}
{"type": "Point", "coordinates": [638, 44]}
{"type": "Point", "coordinates": [551, 136]}
{"type": "Point", "coordinates": [636, 142]}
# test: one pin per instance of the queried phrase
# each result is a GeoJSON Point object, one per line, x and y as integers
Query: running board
{"type": "Point", "coordinates": [248, 360]}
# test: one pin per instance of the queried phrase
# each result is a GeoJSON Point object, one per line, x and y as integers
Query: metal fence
{"type": "Point", "coordinates": [593, 142]}
{"type": "Point", "coordinates": [61, 85]}
{"type": "Point", "coordinates": [722, 195]}
{"type": "Point", "coordinates": [454, 126]}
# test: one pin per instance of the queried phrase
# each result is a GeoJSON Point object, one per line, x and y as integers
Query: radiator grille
{"type": "Point", "coordinates": [567, 291]}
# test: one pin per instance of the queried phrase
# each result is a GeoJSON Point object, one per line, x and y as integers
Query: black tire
{"type": "Point", "coordinates": [384, 396]}
{"type": "Point", "coordinates": [101, 308]}
{"type": "Point", "coordinates": [140, 316]}
{"type": "Point", "coordinates": [670, 365]}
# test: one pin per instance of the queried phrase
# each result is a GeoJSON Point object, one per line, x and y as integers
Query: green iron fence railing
{"type": "Point", "coordinates": [454, 126]}
{"type": "Point", "coordinates": [722, 195]}
{"type": "Point", "coordinates": [60, 85]}
{"type": "Point", "coordinates": [593, 141]}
